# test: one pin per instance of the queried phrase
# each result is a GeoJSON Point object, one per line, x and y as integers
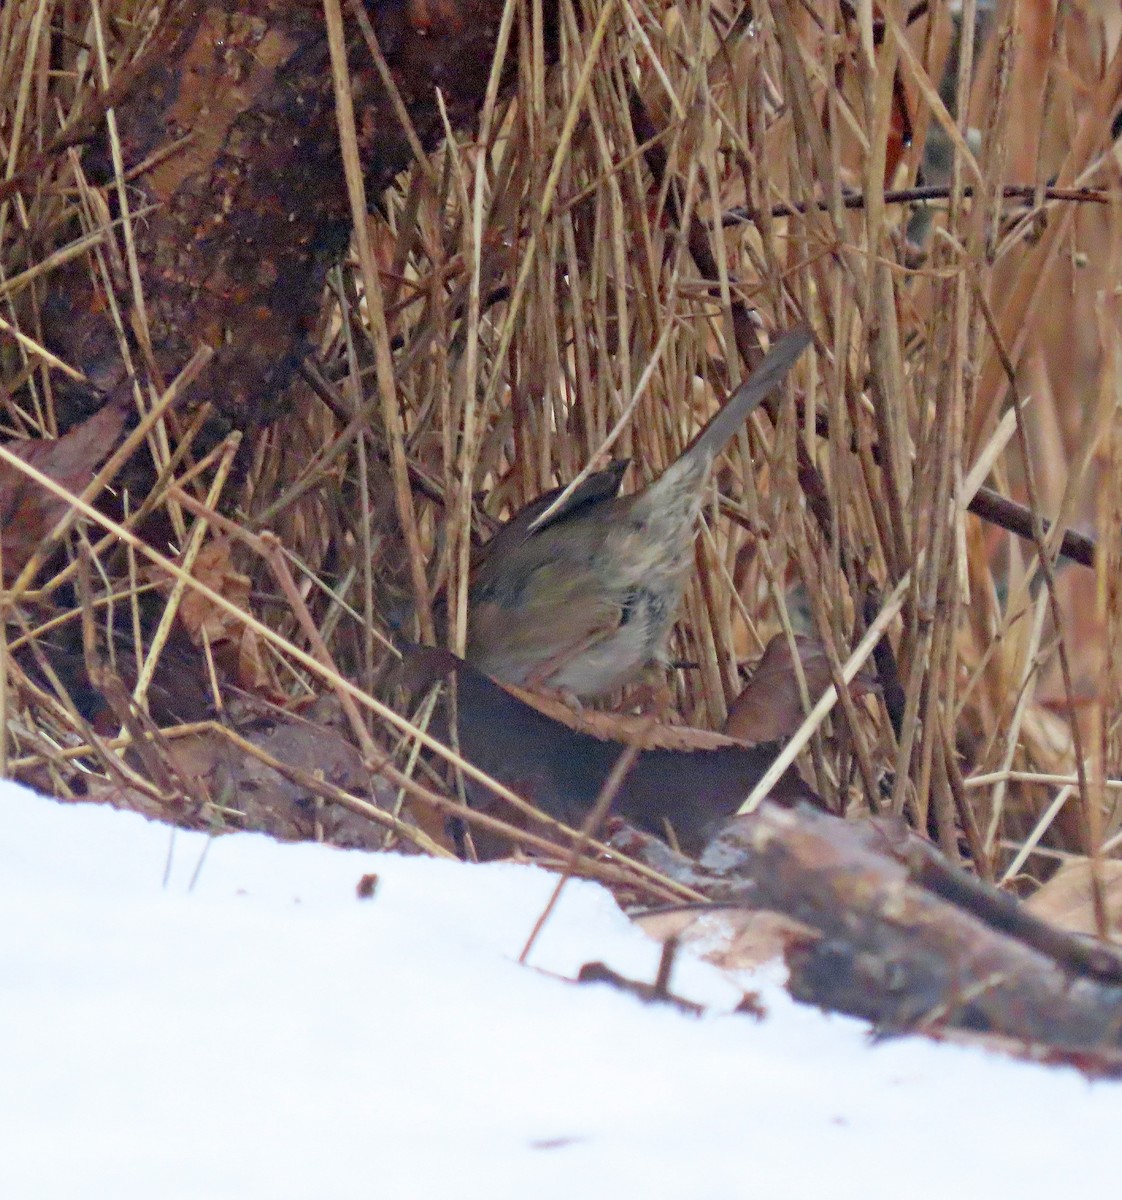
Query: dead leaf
{"type": "Point", "coordinates": [236, 646]}
{"type": "Point", "coordinates": [561, 769]}
{"type": "Point", "coordinates": [251, 794]}
{"type": "Point", "coordinates": [28, 512]}
{"type": "Point", "coordinates": [214, 566]}
{"type": "Point", "coordinates": [1065, 900]}
{"type": "Point", "coordinates": [623, 727]}
{"type": "Point", "coordinates": [770, 708]}
{"type": "Point", "coordinates": [733, 939]}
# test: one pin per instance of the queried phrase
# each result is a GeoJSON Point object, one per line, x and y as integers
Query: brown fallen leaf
{"type": "Point", "coordinates": [28, 512]}
{"type": "Point", "coordinates": [623, 727]}
{"type": "Point", "coordinates": [770, 708]}
{"type": "Point", "coordinates": [214, 566]}
{"type": "Point", "coordinates": [1065, 900]}
{"type": "Point", "coordinates": [236, 647]}
{"type": "Point", "coordinates": [561, 769]}
{"type": "Point", "coordinates": [256, 795]}
{"type": "Point", "coordinates": [733, 939]}
{"type": "Point", "coordinates": [229, 786]}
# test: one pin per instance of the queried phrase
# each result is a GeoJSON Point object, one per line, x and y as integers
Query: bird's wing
{"type": "Point", "coordinates": [600, 486]}
{"type": "Point", "coordinates": [529, 633]}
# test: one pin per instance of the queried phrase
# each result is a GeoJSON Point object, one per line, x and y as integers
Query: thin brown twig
{"type": "Point", "coordinates": [923, 194]}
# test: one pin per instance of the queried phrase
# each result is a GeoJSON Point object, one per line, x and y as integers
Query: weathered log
{"type": "Point", "coordinates": [885, 930]}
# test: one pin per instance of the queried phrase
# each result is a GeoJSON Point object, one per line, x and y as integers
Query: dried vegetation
{"type": "Point", "coordinates": [589, 271]}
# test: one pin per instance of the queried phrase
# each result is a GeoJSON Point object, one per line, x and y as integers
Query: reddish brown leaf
{"type": "Point", "coordinates": [28, 512]}
{"type": "Point", "coordinates": [237, 647]}
{"type": "Point", "coordinates": [561, 769]}
{"type": "Point", "coordinates": [623, 727]}
{"type": "Point", "coordinates": [256, 796]}
{"type": "Point", "coordinates": [201, 617]}
{"type": "Point", "coordinates": [770, 708]}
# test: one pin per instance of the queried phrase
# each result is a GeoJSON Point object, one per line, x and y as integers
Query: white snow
{"type": "Point", "coordinates": [262, 1032]}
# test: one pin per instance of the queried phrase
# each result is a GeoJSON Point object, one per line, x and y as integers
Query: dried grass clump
{"type": "Point", "coordinates": [615, 238]}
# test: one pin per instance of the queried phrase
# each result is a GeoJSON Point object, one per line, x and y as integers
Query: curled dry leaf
{"type": "Point", "coordinates": [770, 707]}
{"type": "Point", "coordinates": [236, 646]}
{"type": "Point", "coordinates": [201, 617]}
{"type": "Point", "coordinates": [28, 512]}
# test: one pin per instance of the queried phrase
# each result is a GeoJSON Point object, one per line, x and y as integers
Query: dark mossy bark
{"type": "Point", "coordinates": [244, 203]}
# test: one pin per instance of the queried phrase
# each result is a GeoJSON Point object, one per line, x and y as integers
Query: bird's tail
{"type": "Point", "coordinates": [750, 395]}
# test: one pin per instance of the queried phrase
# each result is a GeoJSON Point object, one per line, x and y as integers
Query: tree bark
{"type": "Point", "coordinates": [243, 204]}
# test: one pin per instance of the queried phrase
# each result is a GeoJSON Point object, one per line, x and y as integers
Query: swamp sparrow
{"type": "Point", "coordinates": [581, 597]}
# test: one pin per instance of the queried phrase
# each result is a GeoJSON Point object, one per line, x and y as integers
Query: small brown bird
{"type": "Point", "coordinates": [581, 602]}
